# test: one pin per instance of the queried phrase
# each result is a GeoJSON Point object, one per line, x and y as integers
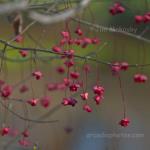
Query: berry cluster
{"type": "Point", "coordinates": [72, 81]}
{"type": "Point", "coordinates": [142, 19]}
{"type": "Point", "coordinates": [116, 67]}
{"type": "Point", "coordinates": [117, 8]}
{"type": "Point", "coordinates": [7, 131]}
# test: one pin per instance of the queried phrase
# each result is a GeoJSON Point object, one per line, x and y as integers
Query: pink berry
{"type": "Point", "coordinates": [37, 75]}
{"type": "Point", "coordinates": [84, 96]}
{"type": "Point", "coordinates": [33, 102]}
{"type": "Point", "coordinates": [45, 101]}
{"type": "Point", "coordinates": [98, 99]}
{"type": "Point", "coordinates": [6, 91]}
{"type": "Point", "coordinates": [69, 101]}
{"type": "Point", "coordinates": [19, 38]}
{"type": "Point", "coordinates": [67, 81]}
{"type": "Point", "coordinates": [115, 68]}
{"type": "Point", "coordinates": [65, 102]}
{"type": "Point", "coordinates": [99, 90]}
{"type": "Point", "coordinates": [139, 19]}
{"type": "Point", "coordinates": [56, 49]}
{"type": "Point", "coordinates": [144, 78]}
{"type": "Point", "coordinates": [85, 42]}
{"type": "Point", "coordinates": [87, 108]}
{"type": "Point", "coordinates": [25, 133]}
{"type": "Point", "coordinates": [74, 87]}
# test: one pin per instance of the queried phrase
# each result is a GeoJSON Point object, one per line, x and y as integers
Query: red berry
{"type": "Point", "coordinates": [146, 18]}
{"type": "Point", "coordinates": [65, 34]}
{"type": "Point", "coordinates": [99, 90]}
{"type": "Point", "coordinates": [62, 42]}
{"type": "Point", "coordinates": [120, 9]}
{"type": "Point", "coordinates": [78, 41]}
{"type": "Point", "coordinates": [69, 54]}
{"type": "Point", "coordinates": [95, 41]}
{"type": "Point", "coordinates": [124, 122]}
{"type": "Point", "coordinates": [60, 70]}
{"type": "Point", "coordinates": [23, 53]}
{"type": "Point", "coordinates": [140, 78]}
{"type": "Point", "coordinates": [79, 32]}
{"type": "Point", "coordinates": [69, 63]}
{"type": "Point", "coordinates": [113, 11]}
{"type": "Point", "coordinates": [71, 41]}
{"type": "Point", "coordinates": [74, 75]}
{"type": "Point", "coordinates": [124, 66]}
{"type": "Point", "coordinates": [5, 131]}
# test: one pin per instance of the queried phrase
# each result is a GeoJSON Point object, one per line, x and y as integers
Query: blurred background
{"type": "Point", "coordinates": [76, 129]}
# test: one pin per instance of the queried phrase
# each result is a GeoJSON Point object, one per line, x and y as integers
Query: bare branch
{"type": "Point", "coordinates": [47, 19]}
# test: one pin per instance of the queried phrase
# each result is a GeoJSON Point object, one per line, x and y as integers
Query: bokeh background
{"type": "Point", "coordinates": [76, 129]}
